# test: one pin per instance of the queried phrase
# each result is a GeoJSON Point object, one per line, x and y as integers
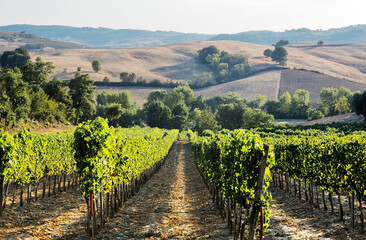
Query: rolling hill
{"type": "Point", "coordinates": [131, 38]}
{"type": "Point", "coordinates": [10, 40]}
{"type": "Point", "coordinates": [105, 37]}
{"type": "Point", "coordinates": [350, 34]}
{"type": "Point", "coordinates": [311, 67]}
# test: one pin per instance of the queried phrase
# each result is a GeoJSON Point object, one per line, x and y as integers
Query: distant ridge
{"type": "Point", "coordinates": [130, 38]}
{"type": "Point", "coordinates": [105, 37]}
{"type": "Point", "coordinates": [350, 34]}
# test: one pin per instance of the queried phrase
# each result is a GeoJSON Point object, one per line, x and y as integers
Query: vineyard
{"type": "Point", "coordinates": [237, 171]}
{"type": "Point", "coordinates": [99, 159]}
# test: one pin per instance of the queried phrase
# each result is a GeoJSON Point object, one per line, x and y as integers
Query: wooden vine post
{"type": "Point", "coordinates": [257, 196]}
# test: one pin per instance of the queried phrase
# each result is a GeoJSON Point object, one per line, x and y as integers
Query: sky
{"type": "Point", "coordinates": [195, 16]}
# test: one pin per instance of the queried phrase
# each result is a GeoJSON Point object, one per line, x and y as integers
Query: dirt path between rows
{"type": "Point", "coordinates": [173, 204]}
{"type": "Point", "coordinates": [292, 218]}
{"type": "Point", "coordinates": [50, 218]}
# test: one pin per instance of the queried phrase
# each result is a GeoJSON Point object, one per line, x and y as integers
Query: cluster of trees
{"type": "Point", "coordinates": [127, 77]}
{"type": "Point", "coordinates": [296, 106]}
{"type": "Point", "coordinates": [131, 79]}
{"type": "Point", "coordinates": [224, 66]}
{"type": "Point", "coordinates": [13, 36]}
{"type": "Point", "coordinates": [279, 54]}
{"type": "Point", "coordinates": [359, 103]}
{"type": "Point", "coordinates": [118, 108]}
{"type": "Point", "coordinates": [181, 109]}
{"type": "Point", "coordinates": [27, 93]}
{"type": "Point", "coordinates": [333, 101]}
{"type": "Point", "coordinates": [34, 46]}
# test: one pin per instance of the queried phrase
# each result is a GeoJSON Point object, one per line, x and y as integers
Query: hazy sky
{"type": "Point", "coordinates": [201, 16]}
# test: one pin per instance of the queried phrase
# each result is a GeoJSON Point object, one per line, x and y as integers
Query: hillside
{"type": "Point", "coordinates": [107, 38]}
{"type": "Point", "coordinates": [267, 84]}
{"type": "Point", "coordinates": [175, 61]}
{"type": "Point", "coordinates": [274, 83]}
{"type": "Point", "coordinates": [313, 82]}
{"type": "Point", "coordinates": [350, 34]}
{"type": "Point", "coordinates": [130, 38]}
{"type": "Point", "coordinates": [326, 66]}
{"type": "Point", "coordinates": [10, 40]}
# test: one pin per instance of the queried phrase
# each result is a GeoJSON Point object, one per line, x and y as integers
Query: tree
{"type": "Point", "coordinates": [157, 114]}
{"type": "Point", "coordinates": [282, 43]}
{"type": "Point", "coordinates": [300, 104]}
{"type": "Point", "coordinates": [267, 52]}
{"type": "Point", "coordinates": [328, 99]}
{"type": "Point", "coordinates": [123, 98]}
{"type": "Point", "coordinates": [238, 71]}
{"type": "Point", "coordinates": [279, 54]}
{"type": "Point", "coordinates": [14, 96]}
{"type": "Point", "coordinates": [272, 107]}
{"type": "Point", "coordinates": [123, 76]}
{"type": "Point", "coordinates": [259, 101]}
{"type": "Point", "coordinates": [204, 52]}
{"type": "Point", "coordinates": [179, 116]}
{"type": "Point", "coordinates": [342, 106]}
{"type": "Point", "coordinates": [198, 102]}
{"type": "Point", "coordinates": [106, 80]}
{"type": "Point", "coordinates": [127, 78]}
{"type": "Point", "coordinates": [253, 118]}
{"type": "Point", "coordinates": [17, 58]}
{"type": "Point", "coordinates": [37, 73]}
{"type": "Point", "coordinates": [230, 97]}
{"type": "Point", "coordinates": [284, 104]}
{"type": "Point", "coordinates": [111, 111]}
{"type": "Point", "coordinates": [320, 43]}
{"type": "Point", "coordinates": [201, 80]}
{"type": "Point", "coordinates": [155, 95]}
{"type": "Point", "coordinates": [45, 109]}
{"type": "Point", "coordinates": [173, 98]}
{"type": "Point", "coordinates": [230, 116]}
{"type": "Point", "coordinates": [359, 103]}
{"type": "Point", "coordinates": [97, 66]}
{"type": "Point", "coordinates": [234, 59]}
{"type": "Point", "coordinates": [204, 119]}
{"type": "Point", "coordinates": [132, 77]}
{"type": "Point", "coordinates": [82, 94]}
{"type": "Point", "coordinates": [187, 93]}
{"type": "Point", "coordinates": [213, 61]}
{"type": "Point", "coordinates": [316, 115]}
{"type": "Point", "coordinates": [56, 91]}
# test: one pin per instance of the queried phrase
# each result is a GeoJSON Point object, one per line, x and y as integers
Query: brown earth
{"type": "Point", "coordinates": [177, 61]}
{"type": "Point", "coordinates": [343, 118]}
{"type": "Point", "coordinates": [313, 82]}
{"type": "Point", "coordinates": [292, 218]}
{"type": "Point", "coordinates": [173, 204]}
{"type": "Point", "coordinates": [337, 65]}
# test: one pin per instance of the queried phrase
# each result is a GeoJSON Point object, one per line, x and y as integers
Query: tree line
{"type": "Point", "coordinates": [28, 94]}
{"type": "Point", "coordinates": [224, 67]}
{"type": "Point", "coordinates": [332, 102]}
